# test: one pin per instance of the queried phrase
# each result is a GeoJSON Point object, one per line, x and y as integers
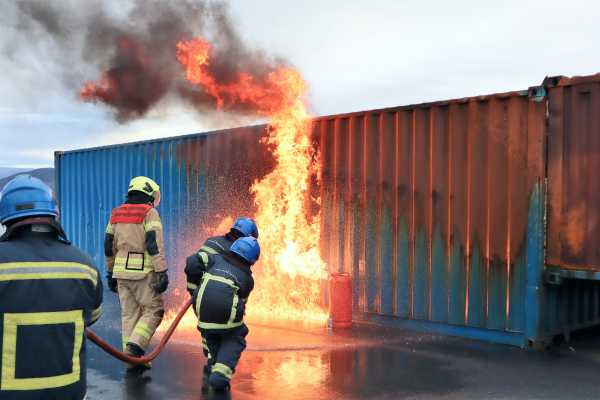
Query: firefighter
{"type": "Point", "coordinates": [136, 265]}
{"type": "Point", "coordinates": [197, 262]}
{"type": "Point", "coordinates": [220, 304]}
{"type": "Point", "coordinates": [49, 293]}
{"type": "Point", "coordinates": [243, 227]}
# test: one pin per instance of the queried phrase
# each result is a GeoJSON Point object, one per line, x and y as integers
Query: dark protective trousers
{"type": "Point", "coordinates": [225, 350]}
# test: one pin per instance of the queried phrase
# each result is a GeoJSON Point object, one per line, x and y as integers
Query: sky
{"type": "Point", "coordinates": [354, 55]}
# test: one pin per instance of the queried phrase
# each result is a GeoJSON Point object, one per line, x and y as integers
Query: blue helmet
{"type": "Point", "coordinates": [246, 226]}
{"type": "Point", "coordinates": [26, 196]}
{"type": "Point", "coordinates": [247, 248]}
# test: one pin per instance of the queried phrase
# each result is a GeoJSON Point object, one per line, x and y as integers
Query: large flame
{"type": "Point", "coordinates": [288, 282]}
{"type": "Point", "coordinates": [290, 272]}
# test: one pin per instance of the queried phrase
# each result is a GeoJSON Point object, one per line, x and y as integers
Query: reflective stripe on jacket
{"type": "Point", "coordinates": [220, 300]}
{"type": "Point", "coordinates": [133, 243]}
{"type": "Point", "coordinates": [50, 292]}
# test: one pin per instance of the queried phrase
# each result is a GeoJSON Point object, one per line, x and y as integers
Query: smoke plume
{"type": "Point", "coordinates": [130, 48]}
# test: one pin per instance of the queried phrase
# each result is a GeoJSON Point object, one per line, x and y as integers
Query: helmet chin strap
{"type": "Point", "coordinates": [35, 220]}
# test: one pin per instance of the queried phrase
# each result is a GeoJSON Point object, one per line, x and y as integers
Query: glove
{"type": "Point", "coordinates": [112, 283]}
{"type": "Point", "coordinates": [163, 282]}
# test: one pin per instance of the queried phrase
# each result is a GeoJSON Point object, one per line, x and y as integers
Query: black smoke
{"type": "Point", "coordinates": [131, 46]}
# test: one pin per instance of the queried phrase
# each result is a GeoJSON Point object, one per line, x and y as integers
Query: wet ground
{"type": "Point", "coordinates": [286, 360]}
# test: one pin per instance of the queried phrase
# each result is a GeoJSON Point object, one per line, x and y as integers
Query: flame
{"type": "Point", "coordinates": [278, 96]}
{"type": "Point", "coordinates": [100, 91]}
{"type": "Point", "coordinates": [290, 273]}
{"type": "Point", "coordinates": [291, 270]}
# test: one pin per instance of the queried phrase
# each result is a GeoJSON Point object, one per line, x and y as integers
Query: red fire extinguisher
{"type": "Point", "coordinates": [340, 300]}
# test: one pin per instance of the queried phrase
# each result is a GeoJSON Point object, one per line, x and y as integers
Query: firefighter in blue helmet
{"type": "Point", "coordinates": [49, 293]}
{"type": "Point", "coordinates": [217, 245]}
{"type": "Point", "coordinates": [220, 304]}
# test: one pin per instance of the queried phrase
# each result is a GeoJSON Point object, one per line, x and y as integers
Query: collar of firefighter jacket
{"type": "Point", "coordinates": [14, 230]}
{"type": "Point", "coordinates": [238, 263]}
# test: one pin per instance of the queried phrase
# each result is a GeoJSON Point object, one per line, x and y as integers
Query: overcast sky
{"type": "Point", "coordinates": [355, 55]}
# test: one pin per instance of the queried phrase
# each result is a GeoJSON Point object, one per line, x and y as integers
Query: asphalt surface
{"type": "Point", "coordinates": [302, 360]}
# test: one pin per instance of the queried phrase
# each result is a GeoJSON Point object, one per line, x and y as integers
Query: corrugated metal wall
{"type": "Point", "coordinates": [574, 173]}
{"type": "Point", "coordinates": [573, 228]}
{"type": "Point", "coordinates": [427, 206]}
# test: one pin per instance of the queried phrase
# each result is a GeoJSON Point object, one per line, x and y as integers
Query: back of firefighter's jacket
{"type": "Point", "coordinates": [133, 243]}
{"type": "Point", "coordinates": [197, 263]}
{"type": "Point", "coordinates": [220, 299]}
{"type": "Point", "coordinates": [50, 292]}
{"type": "Point", "coordinates": [217, 245]}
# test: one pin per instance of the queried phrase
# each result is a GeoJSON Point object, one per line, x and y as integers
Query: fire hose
{"type": "Point", "coordinates": [120, 356]}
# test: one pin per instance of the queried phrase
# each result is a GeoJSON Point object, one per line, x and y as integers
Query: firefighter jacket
{"type": "Point", "coordinates": [49, 293]}
{"type": "Point", "coordinates": [220, 299]}
{"type": "Point", "coordinates": [133, 243]}
{"type": "Point", "coordinates": [196, 264]}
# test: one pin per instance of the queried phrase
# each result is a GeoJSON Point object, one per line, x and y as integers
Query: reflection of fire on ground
{"type": "Point", "coordinates": [289, 273]}
{"type": "Point", "coordinates": [275, 334]}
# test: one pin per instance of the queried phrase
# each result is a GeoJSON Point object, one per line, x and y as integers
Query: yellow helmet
{"type": "Point", "coordinates": [145, 185]}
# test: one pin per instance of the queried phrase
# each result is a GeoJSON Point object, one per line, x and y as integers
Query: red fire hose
{"type": "Point", "coordinates": [119, 355]}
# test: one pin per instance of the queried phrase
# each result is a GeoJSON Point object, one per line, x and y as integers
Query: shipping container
{"type": "Point", "coordinates": [573, 203]}
{"type": "Point", "coordinates": [437, 210]}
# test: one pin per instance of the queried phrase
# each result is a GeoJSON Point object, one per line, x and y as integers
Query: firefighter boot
{"type": "Point", "coordinates": [134, 351]}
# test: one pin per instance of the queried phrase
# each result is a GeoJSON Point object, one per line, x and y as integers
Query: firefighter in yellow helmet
{"type": "Point", "coordinates": [135, 261]}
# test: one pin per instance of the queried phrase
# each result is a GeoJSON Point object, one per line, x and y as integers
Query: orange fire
{"type": "Point", "coordinates": [107, 87]}
{"type": "Point", "coordinates": [290, 272]}
{"type": "Point", "coordinates": [99, 91]}
{"type": "Point", "coordinates": [277, 95]}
